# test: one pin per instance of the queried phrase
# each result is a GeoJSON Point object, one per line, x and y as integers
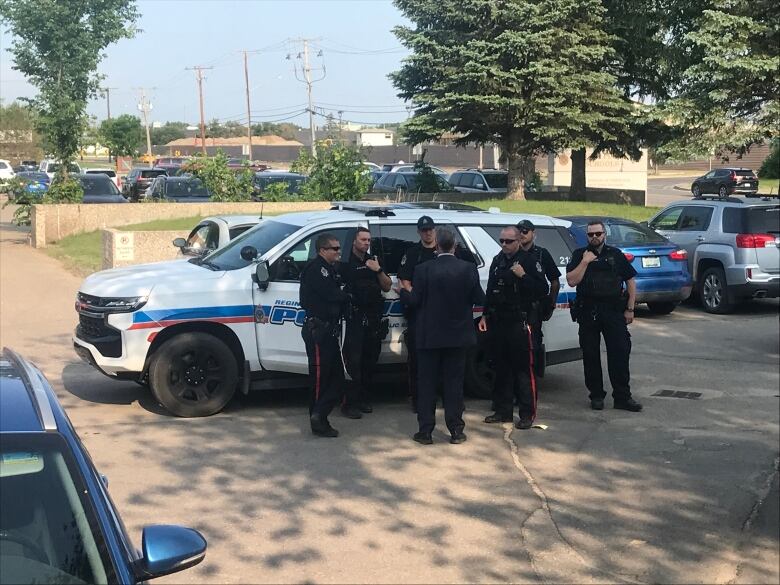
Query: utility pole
{"type": "Point", "coordinates": [341, 139]}
{"type": "Point", "coordinates": [145, 107]}
{"type": "Point", "coordinates": [107, 92]}
{"type": "Point", "coordinates": [199, 76]}
{"type": "Point", "coordinates": [248, 106]}
{"type": "Point", "coordinates": [306, 70]}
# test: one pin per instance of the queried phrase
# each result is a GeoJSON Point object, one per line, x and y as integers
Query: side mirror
{"type": "Point", "coordinates": [168, 549]}
{"type": "Point", "coordinates": [479, 186]}
{"type": "Point", "coordinates": [261, 276]}
{"type": "Point", "coordinates": [248, 253]}
{"type": "Point", "coordinates": [644, 223]}
{"type": "Point", "coordinates": [180, 243]}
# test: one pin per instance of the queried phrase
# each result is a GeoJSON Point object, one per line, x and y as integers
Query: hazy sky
{"type": "Point", "coordinates": [358, 51]}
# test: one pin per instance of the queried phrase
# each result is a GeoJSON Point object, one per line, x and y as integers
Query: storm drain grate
{"type": "Point", "coordinates": [678, 394]}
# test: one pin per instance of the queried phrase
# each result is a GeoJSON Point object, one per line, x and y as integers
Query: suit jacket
{"type": "Point", "coordinates": [444, 292]}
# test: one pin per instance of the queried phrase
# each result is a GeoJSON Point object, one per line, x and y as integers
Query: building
{"type": "Point", "coordinates": [374, 137]}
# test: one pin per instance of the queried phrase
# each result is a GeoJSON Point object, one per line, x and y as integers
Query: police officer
{"type": "Point", "coordinates": [543, 310]}
{"type": "Point", "coordinates": [604, 307]}
{"type": "Point", "coordinates": [364, 280]}
{"type": "Point", "coordinates": [515, 282]}
{"type": "Point", "coordinates": [322, 298]}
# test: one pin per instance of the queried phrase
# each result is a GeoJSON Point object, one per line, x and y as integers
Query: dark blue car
{"type": "Point", "coordinates": [662, 279]}
{"type": "Point", "coordinates": [57, 521]}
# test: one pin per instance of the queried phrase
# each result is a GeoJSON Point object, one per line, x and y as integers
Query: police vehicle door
{"type": "Point", "coordinates": [278, 314]}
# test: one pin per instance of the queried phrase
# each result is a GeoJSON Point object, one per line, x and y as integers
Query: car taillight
{"type": "Point", "coordinates": [733, 176]}
{"type": "Point", "coordinates": [629, 256]}
{"type": "Point", "coordinates": [678, 255]}
{"type": "Point", "coordinates": [755, 240]}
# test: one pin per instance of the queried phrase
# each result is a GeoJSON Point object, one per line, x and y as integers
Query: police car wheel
{"type": "Point", "coordinates": [193, 374]}
{"type": "Point", "coordinates": [479, 373]}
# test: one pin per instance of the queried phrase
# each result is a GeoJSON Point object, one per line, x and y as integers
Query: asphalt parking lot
{"type": "Point", "coordinates": [684, 492]}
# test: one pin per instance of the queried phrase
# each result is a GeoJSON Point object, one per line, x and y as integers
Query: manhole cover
{"type": "Point", "coordinates": [678, 394]}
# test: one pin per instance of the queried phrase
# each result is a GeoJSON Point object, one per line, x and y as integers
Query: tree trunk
{"type": "Point", "coordinates": [515, 164]}
{"type": "Point", "coordinates": [577, 189]}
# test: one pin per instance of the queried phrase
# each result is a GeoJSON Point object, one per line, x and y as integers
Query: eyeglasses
{"type": "Point", "coordinates": [334, 248]}
{"type": "Point", "coordinates": [595, 234]}
{"type": "Point", "coordinates": [525, 231]}
{"type": "Point", "coordinates": [507, 241]}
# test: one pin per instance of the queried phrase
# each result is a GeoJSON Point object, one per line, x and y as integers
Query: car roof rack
{"type": "Point", "coordinates": [714, 197]}
{"type": "Point", "coordinates": [367, 209]}
{"type": "Point", "coordinates": [35, 389]}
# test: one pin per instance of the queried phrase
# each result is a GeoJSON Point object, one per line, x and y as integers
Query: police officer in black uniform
{"type": "Point", "coordinates": [542, 310]}
{"type": "Point", "coordinates": [515, 282]}
{"type": "Point", "coordinates": [604, 307]}
{"type": "Point", "coordinates": [324, 301]}
{"type": "Point", "coordinates": [364, 280]}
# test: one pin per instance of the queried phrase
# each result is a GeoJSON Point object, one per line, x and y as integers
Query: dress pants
{"type": "Point", "coordinates": [361, 353]}
{"type": "Point", "coordinates": [611, 323]}
{"type": "Point", "coordinates": [445, 367]}
{"type": "Point", "coordinates": [326, 372]}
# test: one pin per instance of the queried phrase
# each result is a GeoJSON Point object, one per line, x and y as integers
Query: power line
{"type": "Point", "coordinates": [306, 71]}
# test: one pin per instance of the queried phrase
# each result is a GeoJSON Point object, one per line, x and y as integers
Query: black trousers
{"type": "Point", "coordinates": [611, 323]}
{"type": "Point", "coordinates": [361, 353]}
{"type": "Point", "coordinates": [326, 372]}
{"type": "Point", "coordinates": [411, 358]}
{"type": "Point", "coordinates": [447, 367]}
{"type": "Point", "coordinates": [511, 347]}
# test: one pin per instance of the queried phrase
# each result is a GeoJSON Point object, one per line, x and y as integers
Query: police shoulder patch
{"type": "Point", "coordinates": [324, 271]}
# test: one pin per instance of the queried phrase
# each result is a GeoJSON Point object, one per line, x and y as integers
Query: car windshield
{"type": "Point", "coordinates": [264, 237]}
{"type": "Point", "coordinates": [187, 189]}
{"type": "Point", "coordinates": [48, 529]}
{"type": "Point", "coordinates": [106, 172]}
{"type": "Point", "coordinates": [34, 176]}
{"type": "Point", "coordinates": [54, 167]}
{"type": "Point", "coordinates": [98, 185]}
{"type": "Point", "coordinates": [497, 180]}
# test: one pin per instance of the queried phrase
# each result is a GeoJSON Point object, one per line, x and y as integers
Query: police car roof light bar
{"type": "Point", "coordinates": [367, 209]}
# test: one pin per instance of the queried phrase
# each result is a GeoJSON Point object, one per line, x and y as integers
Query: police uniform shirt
{"type": "Point", "coordinates": [530, 287]}
{"type": "Point", "coordinates": [419, 254]}
{"type": "Point", "coordinates": [549, 266]}
{"type": "Point", "coordinates": [608, 255]}
{"type": "Point", "coordinates": [362, 283]}
{"type": "Point", "coordinates": [321, 293]}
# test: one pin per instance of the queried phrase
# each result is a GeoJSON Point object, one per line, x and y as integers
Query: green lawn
{"type": "Point", "coordinates": [558, 208]}
{"type": "Point", "coordinates": [161, 225]}
{"type": "Point", "coordinates": [82, 254]}
{"type": "Point", "coordinates": [768, 185]}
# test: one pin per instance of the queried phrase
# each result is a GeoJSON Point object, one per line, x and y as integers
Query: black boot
{"type": "Point", "coordinates": [321, 427]}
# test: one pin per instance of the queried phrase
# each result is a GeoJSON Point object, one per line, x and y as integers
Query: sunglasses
{"type": "Point", "coordinates": [595, 234]}
{"type": "Point", "coordinates": [507, 241]}
{"type": "Point", "coordinates": [525, 231]}
{"type": "Point", "coordinates": [334, 248]}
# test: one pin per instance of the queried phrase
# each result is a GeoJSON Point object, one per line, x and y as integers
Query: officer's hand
{"type": "Point", "coordinates": [517, 270]}
{"type": "Point", "coordinates": [588, 257]}
{"type": "Point", "coordinates": [482, 325]}
{"type": "Point", "coordinates": [629, 315]}
{"type": "Point", "coordinates": [373, 264]}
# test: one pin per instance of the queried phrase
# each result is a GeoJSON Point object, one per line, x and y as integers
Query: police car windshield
{"type": "Point", "coordinates": [263, 237]}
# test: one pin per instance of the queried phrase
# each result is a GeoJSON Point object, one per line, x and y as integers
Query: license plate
{"type": "Point", "coordinates": [651, 262]}
{"type": "Point", "coordinates": [748, 184]}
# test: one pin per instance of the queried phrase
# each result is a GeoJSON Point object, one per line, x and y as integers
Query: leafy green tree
{"type": "Point", "coordinates": [285, 130]}
{"type": "Point", "coordinates": [17, 127]}
{"type": "Point", "coordinates": [335, 174]}
{"type": "Point", "coordinates": [770, 168]}
{"type": "Point", "coordinates": [224, 184]}
{"type": "Point", "coordinates": [123, 135]}
{"type": "Point", "coordinates": [520, 73]}
{"type": "Point", "coordinates": [57, 46]}
{"type": "Point", "coordinates": [168, 132]}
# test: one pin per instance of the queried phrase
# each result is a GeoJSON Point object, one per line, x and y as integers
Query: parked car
{"type": "Point", "coordinates": [26, 165]}
{"type": "Point", "coordinates": [111, 173]}
{"type": "Point", "coordinates": [37, 183]}
{"type": "Point", "coordinates": [375, 176]}
{"type": "Point", "coordinates": [51, 166]}
{"type": "Point", "coordinates": [662, 279]}
{"type": "Point", "coordinates": [212, 233]}
{"type": "Point", "coordinates": [407, 167]}
{"type": "Point", "coordinates": [138, 180]}
{"type": "Point", "coordinates": [264, 178]}
{"type": "Point", "coordinates": [371, 166]}
{"type": "Point", "coordinates": [241, 163]}
{"type": "Point", "coordinates": [732, 247]}
{"type": "Point", "coordinates": [725, 182]}
{"type": "Point", "coordinates": [406, 182]}
{"type": "Point", "coordinates": [6, 171]}
{"type": "Point", "coordinates": [480, 181]}
{"type": "Point", "coordinates": [99, 189]}
{"type": "Point", "coordinates": [184, 189]}
{"type": "Point", "coordinates": [58, 523]}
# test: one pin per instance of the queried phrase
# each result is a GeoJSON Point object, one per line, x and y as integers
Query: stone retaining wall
{"type": "Point", "coordinates": [126, 248]}
{"type": "Point", "coordinates": [51, 223]}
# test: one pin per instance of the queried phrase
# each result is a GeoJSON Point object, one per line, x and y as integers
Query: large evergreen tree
{"type": "Point", "coordinates": [523, 74]}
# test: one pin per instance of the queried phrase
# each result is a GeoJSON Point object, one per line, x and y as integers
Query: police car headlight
{"type": "Point", "coordinates": [123, 304]}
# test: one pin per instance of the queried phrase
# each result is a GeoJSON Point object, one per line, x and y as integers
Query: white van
{"type": "Point", "coordinates": [196, 331]}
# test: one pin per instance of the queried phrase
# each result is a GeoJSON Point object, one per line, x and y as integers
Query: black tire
{"type": "Point", "coordinates": [723, 192]}
{"type": "Point", "coordinates": [696, 190]}
{"type": "Point", "coordinates": [479, 375]}
{"type": "Point", "coordinates": [193, 374]}
{"type": "Point", "coordinates": [713, 292]}
{"type": "Point", "coordinates": [661, 308]}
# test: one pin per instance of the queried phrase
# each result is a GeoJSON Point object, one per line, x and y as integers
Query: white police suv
{"type": "Point", "coordinates": [197, 331]}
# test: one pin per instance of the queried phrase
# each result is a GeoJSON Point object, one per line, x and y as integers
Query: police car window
{"type": "Point", "coordinates": [289, 265]}
{"type": "Point", "coordinates": [695, 218]}
{"type": "Point", "coordinates": [199, 237]}
{"type": "Point", "coordinates": [237, 231]}
{"type": "Point", "coordinates": [546, 237]}
{"type": "Point", "coordinates": [394, 241]}
{"type": "Point", "coordinates": [264, 237]}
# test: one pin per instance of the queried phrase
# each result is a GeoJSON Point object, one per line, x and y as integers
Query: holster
{"type": "Point", "coordinates": [319, 329]}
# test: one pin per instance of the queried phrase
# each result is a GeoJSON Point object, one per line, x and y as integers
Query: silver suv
{"type": "Point", "coordinates": [480, 181]}
{"type": "Point", "coordinates": [732, 244]}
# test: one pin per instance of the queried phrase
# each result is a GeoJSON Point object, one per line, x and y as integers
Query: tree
{"type": "Point", "coordinates": [730, 98]}
{"type": "Point", "coordinates": [224, 184]}
{"type": "Point", "coordinates": [335, 174]}
{"type": "Point", "coordinates": [285, 130]}
{"type": "Point", "coordinates": [17, 131]}
{"type": "Point", "coordinates": [123, 135]}
{"type": "Point", "coordinates": [520, 73]}
{"type": "Point", "coordinates": [57, 46]}
{"type": "Point", "coordinates": [168, 132]}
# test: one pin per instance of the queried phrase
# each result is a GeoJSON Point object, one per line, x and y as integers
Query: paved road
{"type": "Point", "coordinates": [680, 493]}
{"type": "Point", "coordinates": [661, 190]}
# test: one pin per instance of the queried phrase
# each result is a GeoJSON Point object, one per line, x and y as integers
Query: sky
{"type": "Point", "coordinates": [358, 51]}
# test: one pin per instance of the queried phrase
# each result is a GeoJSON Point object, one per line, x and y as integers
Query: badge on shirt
{"type": "Point", "coordinates": [539, 267]}
{"type": "Point", "coordinates": [324, 272]}
{"type": "Point", "coordinates": [403, 260]}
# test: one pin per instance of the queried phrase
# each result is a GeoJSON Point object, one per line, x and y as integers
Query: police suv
{"type": "Point", "coordinates": [197, 331]}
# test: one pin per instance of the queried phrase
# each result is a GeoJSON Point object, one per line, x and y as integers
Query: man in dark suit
{"type": "Point", "coordinates": [445, 290]}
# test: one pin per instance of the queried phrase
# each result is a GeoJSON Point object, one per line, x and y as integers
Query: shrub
{"type": "Point", "coordinates": [337, 173]}
{"type": "Point", "coordinates": [224, 183]}
{"type": "Point", "coordinates": [770, 168]}
{"type": "Point", "coordinates": [17, 195]}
